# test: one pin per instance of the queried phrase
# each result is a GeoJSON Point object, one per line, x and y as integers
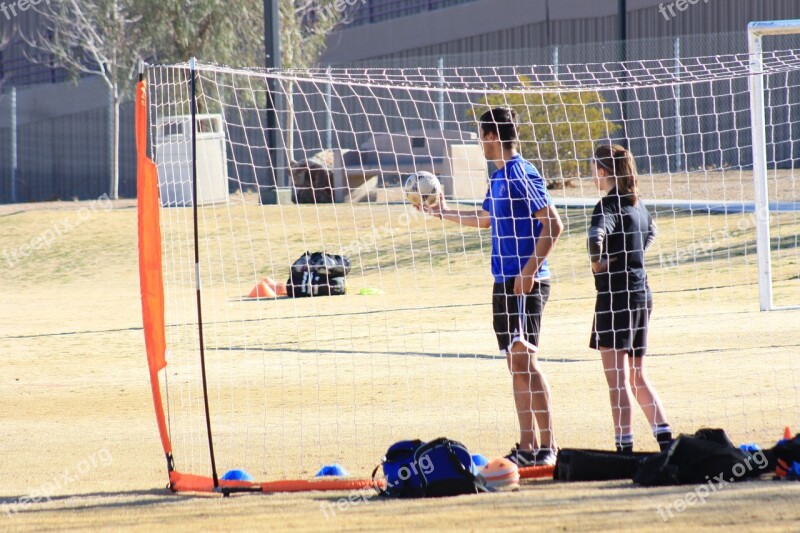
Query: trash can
{"type": "Point", "coordinates": [173, 151]}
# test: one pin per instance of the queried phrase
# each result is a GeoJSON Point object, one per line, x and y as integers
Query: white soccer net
{"type": "Point", "coordinates": [409, 351]}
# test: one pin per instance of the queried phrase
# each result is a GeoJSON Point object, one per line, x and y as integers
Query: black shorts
{"type": "Point", "coordinates": [518, 318]}
{"type": "Point", "coordinates": [621, 324]}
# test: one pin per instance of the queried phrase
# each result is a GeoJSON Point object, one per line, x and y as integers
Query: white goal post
{"type": "Point", "coordinates": [756, 33]}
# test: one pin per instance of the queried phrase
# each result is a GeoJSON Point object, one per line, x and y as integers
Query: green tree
{"type": "Point", "coordinates": [558, 128]}
{"type": "Point", "coordinates": [305, 27]}
{"type": "Point", "coordinates": [231, 32]}
{"type": "Point", "coordinates": [228, 32]}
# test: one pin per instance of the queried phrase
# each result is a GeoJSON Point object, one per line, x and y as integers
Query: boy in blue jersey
{"type": "Point", "coordinates": [525, 226]}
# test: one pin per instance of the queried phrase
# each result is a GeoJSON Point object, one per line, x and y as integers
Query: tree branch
{"type": "Point", "coordinates": [94, 38]}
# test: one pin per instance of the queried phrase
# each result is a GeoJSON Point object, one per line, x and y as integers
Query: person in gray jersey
{"type": "Point", "coordinates": [620, 233]}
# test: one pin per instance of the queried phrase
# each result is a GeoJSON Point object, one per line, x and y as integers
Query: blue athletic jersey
{"type": "Point", "coordinates": [516, 192]}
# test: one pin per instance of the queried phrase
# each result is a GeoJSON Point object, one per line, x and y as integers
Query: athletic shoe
{"type": "Point", "coordinates": [540, 457]}
{"type": "Point", "coordinates": [545, 457]}
{"type": "Point", "coordinates": [522, 457]}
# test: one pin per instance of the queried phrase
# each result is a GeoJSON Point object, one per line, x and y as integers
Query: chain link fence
{"type": "Point", "coordinates": [55, 139]}
{"type": "Point", "coordinates": [56, 142]}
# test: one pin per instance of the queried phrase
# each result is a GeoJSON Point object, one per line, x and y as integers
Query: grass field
{"type": "Point", "coordinates": [79, 437]}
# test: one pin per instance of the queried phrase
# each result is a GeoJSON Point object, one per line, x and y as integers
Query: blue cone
{"type": "Point", "coordinates": [237, 475]}
{"type": "Point", "coordinates": [333, 470]}
{"type": "Point", "coordinates": [479, 460]}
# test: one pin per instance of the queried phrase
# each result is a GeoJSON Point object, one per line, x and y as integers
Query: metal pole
{"type": "Point", "coordinates": [556, 61]}
{"type": "Point", "coordinates": [622, 35]}
{"type": "Point", "coordinates": [272, 55]}
{"type": "Point", "coordinates": [329, 112]}
{"type": "Point", "coordinates": [111, 158]}
{"type": "Point", "coordinates": [758, 123]}
{"type": "Point", "coordinates": [440, 112]}
{"type": "Point", "coordinates": [547, 23]}
{"type": "Point", "coordinates": [678, 118]}
{"type": "Point", "coordinates": [201, 344]}
{"type": "Point", "coordinates": [13, 145]}
{"type": "Point", "coordinates": [272, 43]}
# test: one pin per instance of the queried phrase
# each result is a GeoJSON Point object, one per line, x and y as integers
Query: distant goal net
{"type": "Point", "coordinates": [285, 162]}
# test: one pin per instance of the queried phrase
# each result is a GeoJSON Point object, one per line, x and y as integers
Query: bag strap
{"type": "Point", "coordinates": [480, 486]}
{"type": "Point", "coordinates": [384, 493]}
{"type": "Point", "coordinates": [459, 466]}
{"type": "Point", "coordinates": [457, 462]}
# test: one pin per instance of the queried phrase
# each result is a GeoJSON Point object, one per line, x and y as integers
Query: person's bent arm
{"type": "Point", "coordinates": [602, 225]}
{"type": "Point", "coordinates": [597, 236]}
{"type": "Point", "coordinates": [552, 226]}
{"type": "Point", "coordinates": [652, 233]}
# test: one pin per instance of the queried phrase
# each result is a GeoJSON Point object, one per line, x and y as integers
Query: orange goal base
{"type": "Point", "coordinates": [191, 483]}
{"type": "Point", "coordinates": [536, 472]}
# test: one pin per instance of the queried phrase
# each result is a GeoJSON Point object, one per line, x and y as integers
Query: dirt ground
{"type": "Point", "coordinates": [80, 447]}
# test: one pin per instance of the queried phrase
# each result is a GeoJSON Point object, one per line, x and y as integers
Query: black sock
{"type": "Point", "coordinates": [624, 444]}
{"type": "Point", "coordinates": [663, 434]}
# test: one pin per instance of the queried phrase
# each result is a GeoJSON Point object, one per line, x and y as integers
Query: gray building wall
{"type": "Point", "coordinates": [487, 25]}
{"type": "Point", "coordinates": [63, 143]}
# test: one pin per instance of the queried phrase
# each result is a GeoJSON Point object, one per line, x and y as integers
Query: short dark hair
{"type": "Point", "coordinates": [502, 121]}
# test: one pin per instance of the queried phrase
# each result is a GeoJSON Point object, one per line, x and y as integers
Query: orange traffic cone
{"type": "Point", "coordinates": [262, 290]}
{"type": "Point", "coordinates": [278, 288]}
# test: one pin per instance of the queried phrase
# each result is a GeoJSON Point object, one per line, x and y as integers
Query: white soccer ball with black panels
{"type": "Point", "coordinates": [423, 188]}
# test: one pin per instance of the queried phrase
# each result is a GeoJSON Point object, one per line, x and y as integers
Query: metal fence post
{"type": "Point", "coordinates": [440, 109]}
{"type": "Point", "coordinates": [555, 61]}
{"type": "Point", "coordinates": [678, 118]}
{"type": "Point", "coordinates": [13, 145]}
{"type": "Point", "coordinates": [329, 111]}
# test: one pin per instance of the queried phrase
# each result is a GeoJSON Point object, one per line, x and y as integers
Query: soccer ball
{"type": "Point", "coordinates": [422, 188]}
{"type": "Point", "coordinates": [500, 473]}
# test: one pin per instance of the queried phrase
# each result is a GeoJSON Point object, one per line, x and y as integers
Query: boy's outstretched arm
{"type": "Point", "coordinates": [475, 219]}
